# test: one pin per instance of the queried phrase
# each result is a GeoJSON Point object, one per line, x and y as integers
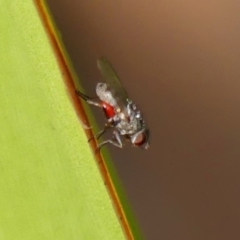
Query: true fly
{"type": "Point", "coordinates": [122, 113]}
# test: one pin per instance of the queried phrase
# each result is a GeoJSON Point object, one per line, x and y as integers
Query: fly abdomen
{"type": "Point", "coordinates": [105, 94]}
{"type": "Point", "coordinates": [108, 110]}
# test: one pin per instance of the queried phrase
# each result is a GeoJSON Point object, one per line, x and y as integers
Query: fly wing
{"type": "Point", "coordinates": [113, 82]}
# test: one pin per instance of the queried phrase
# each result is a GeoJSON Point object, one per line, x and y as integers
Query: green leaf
{"type": "Point", "coordinates": [50, 185]}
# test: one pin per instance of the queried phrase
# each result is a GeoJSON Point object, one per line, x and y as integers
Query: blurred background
{"type": "Point", "coordinates": [179, 61]}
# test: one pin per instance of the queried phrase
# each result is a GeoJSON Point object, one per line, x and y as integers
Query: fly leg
{"type": "Point", "coordinates": [106, 127]}
{"type": "Point", "coordinates": [116, 141]}
{"type": "Point", "coordinates": [88, 99]}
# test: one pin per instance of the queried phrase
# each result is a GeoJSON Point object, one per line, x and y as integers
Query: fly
{"type": "Point", "coordinates": [122, 113]}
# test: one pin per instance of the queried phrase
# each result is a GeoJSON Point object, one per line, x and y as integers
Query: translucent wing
{"type": "Point", "coordinates": [113, 81]}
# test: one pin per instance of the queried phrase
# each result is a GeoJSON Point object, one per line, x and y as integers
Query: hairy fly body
{"type": "Point", "coordinates": [121, 113]}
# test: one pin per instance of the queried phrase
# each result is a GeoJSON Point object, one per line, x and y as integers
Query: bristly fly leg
{"type": "Point", "coordinates": [97, 136]}
{"type": "Point", "coordinates": [88, 99]}
{"type": "Point", "coordinates": [95, 103]}
{"type": "Point", "coordinates": [116, 141]}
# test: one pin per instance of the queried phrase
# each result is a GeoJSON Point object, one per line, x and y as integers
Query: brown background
{"type": "Point", "coordinates": [179, 61]}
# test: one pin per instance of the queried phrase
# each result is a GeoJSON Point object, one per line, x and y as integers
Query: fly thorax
{"type": "Point", "coordinates": [127, 124]}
